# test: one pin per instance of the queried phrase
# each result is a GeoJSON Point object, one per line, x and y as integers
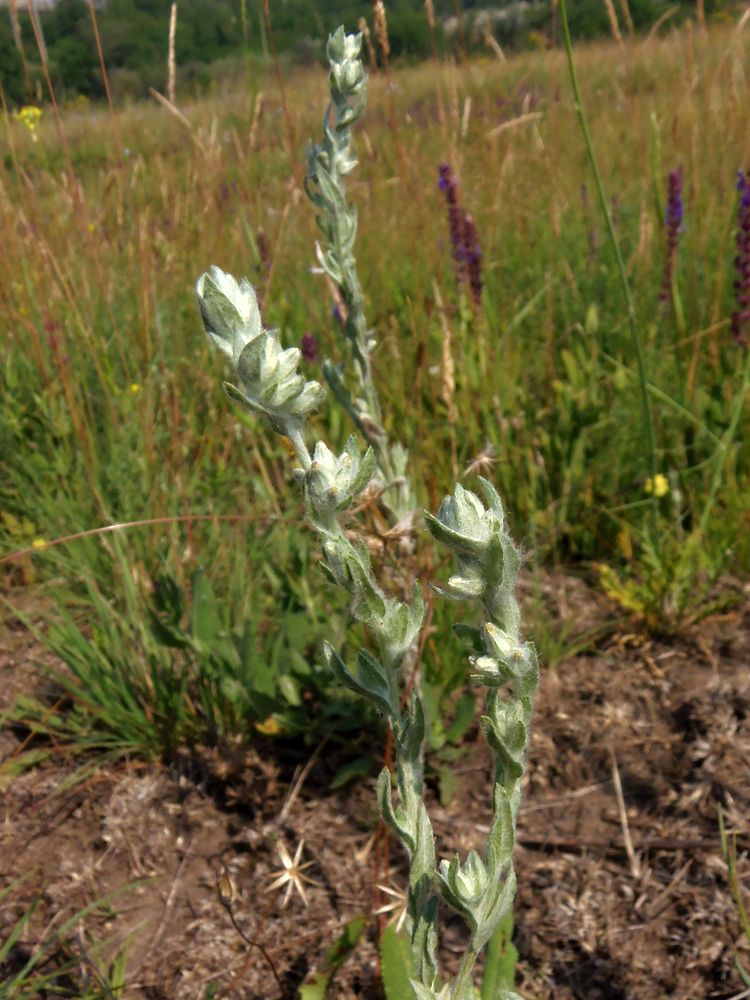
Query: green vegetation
{"type": "Point", "coordinates": [179, 623]}
{"type": "Point", "coordinates": [104, 422]}
{"type": "Point", "coordinates": [60, 963]}
{"type": "Point", "coordinates": [215, 38]}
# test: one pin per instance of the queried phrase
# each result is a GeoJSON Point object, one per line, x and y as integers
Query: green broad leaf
{"type": "Point", "coordinates": [471, 635]}
{"type": "Point", "coordinates": [258, 671]}
{"type": "Point", "coordinates": [358, 768]}
{"type": "Point", "coordinates": [461, 544]}
{"type": "Point", "coordinates": [205, 621]}
{"type": "Point", "coordinates": [335, 956]}
{"type": "Point", "coordinates": [395, 818]}
{"type": "Point", "coordinates": [451, 754]}
{"type": "Point", "coordinates": [411, 729]}
{"type": "Point", "coordinates": [500, 961]}
{"type": "Point", "coordinates": [447, 785]}
{"type": "Point", "coordinates": [328, 189]}
{"type": "Point", "coordinates": [462, 719]}
{"type": "Point", "coordinates": [290, 690]}
{"type": "Point", "coordinates": [368, 679]}
{"type": "Point", "coordinates": [17, 527]}
{"type": "Point", "coordinates": [396, 965]}
{"type": "Point", "coordinates": [365, 470]}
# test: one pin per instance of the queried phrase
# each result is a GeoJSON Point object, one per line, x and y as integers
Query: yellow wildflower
{"type": "Point", "coordinates": [269, 726]}
{"type": "Point", "coordinates": [135, 388]}
{"type": "Point", "coordinates": [29, 117]}
{"type": "Point", "coordinates": [39, 543]}
{"type": "Point", "coordinates": [657, 486]}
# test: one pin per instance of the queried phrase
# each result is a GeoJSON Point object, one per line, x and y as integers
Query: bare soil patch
{"type": "Point", "coordinates": [594, 919]}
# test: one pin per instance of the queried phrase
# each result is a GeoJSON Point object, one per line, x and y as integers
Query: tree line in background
{"type": "Point", "coordinates": [213, 36]}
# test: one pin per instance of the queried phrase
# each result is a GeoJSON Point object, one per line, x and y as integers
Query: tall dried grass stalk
{"type": "Point", "coordinates": [466, 118]}
{"type": "Point", "coordinates": [458, 13]}
{"type": "Point", "coordinates": [447, 375]}
{"type": "Point", "coordinates": [700, 14]}
{"type": "Point", "coordinates": [447, 364]}
{"type": "Point", "coordinates": [372, 58]}
{"type": "Point", "coordinates": [614, 26]}
{"type": "Point", "coordinates": [381, 29]}
{"type": "Point", "coordinates": [431, 22]}
{"type": "Point", "coordinates": [491, 42]}
{"type": "Point", "coordinates": [255, 124]}
{"type": "Point", "coordinates": [626, 15]}
{"type": "Point", "coordinates": [645, 233]}
{"type": "Point", "coordinates": [75, 188]}
{"type": "Point", "coordinates": [172, 109]}
{"type": "Point", "coordinates": [15, 28]}
{"type": "Point", "coordinates": [105, 79]}
{"type": "Point", "coordinates": [36, 24]}
{"type": "Point", "coordinates": [281, 87]}
{"type": "Point", "coordinates": [171, 66]}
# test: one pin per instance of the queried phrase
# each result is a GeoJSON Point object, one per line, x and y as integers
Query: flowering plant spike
{"type": "Point", "coordinates": [266, 380]}
{"type": "Point", "coordinates": [328, 163]}
{"type": "Point", "coordinates": [741, 314]}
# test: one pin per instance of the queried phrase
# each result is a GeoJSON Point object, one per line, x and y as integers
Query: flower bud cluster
{"type": "Point", "coordinates": [482, 890]}
{"type": "Point", "coordinates": [268, 377]}
{"type": "Point", "coordinates": [487, 559]}
{"type": "Point", "coordinates": [230, 312]}
{"type": "Point", "coordinates": [333, 481]}
{"type": "Point", "coordinates": [348, 77]}
{"type": "Point", "coordinates": [328, 163]}
{"type": "Point", "coordinates": [333, 158]}
{"type": "Point", "coordinates": [504, 659]}
{"type": "Point", "coordinates": [395, 624]}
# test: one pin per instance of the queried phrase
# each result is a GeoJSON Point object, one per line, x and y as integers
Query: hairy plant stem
{"type": "Point", "coordinates": [480, 887]}
{"type": "Point", "coordinates": [463, 984]}
{"type": "Point", "coordinates": [297, 440]}
{"type": "Point", "coordinates": [267, 381]}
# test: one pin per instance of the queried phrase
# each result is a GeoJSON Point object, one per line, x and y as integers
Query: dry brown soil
{"type": "Point", "coordinates": [613, 903]}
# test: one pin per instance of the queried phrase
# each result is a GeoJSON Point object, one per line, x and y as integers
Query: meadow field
{"type": "Point", "coordinates": [169, 731]}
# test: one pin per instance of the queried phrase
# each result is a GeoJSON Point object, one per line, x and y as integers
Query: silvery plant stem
{"type": "Point", "coordinates": [328, 163]}
{"type": "Point", "coordinates": [266, 380]}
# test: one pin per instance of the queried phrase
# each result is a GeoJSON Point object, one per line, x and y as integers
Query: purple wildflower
{"type": "Point", "coordinates": [309, 347]}
{"type": "Point", "coordinates": [448, 184]}
{"type": "Point", "coordinates": [465, 248]}
{"type": "Point", "coordinates": [472, 255]}
{"type": "Point", "coordinates": [673, 222]}
{"type": "Point", "coordinates": [741, 315]}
